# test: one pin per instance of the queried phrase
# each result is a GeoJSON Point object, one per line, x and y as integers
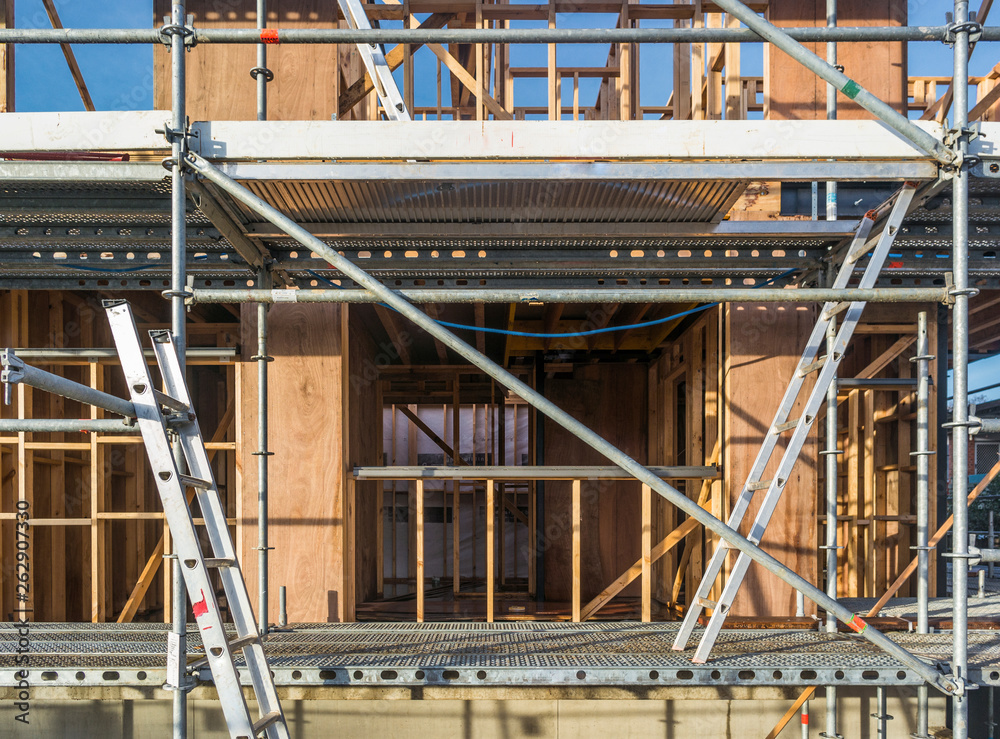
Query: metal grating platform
{"type": "Point", "coordinates": [525, 654]}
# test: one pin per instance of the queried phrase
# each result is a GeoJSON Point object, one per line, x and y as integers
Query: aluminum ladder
{"type": "Point", "coordinates": [375, 63]}
{"type": "Point", "coordinates": [826, 366]}
{"type": "Point", "coordinates": [156, 411]}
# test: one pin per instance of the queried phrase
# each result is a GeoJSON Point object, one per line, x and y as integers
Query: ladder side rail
{"type": "Point", "coordinates": [375, 64]}
{"type": "Point", "coordinates": [231, 576]}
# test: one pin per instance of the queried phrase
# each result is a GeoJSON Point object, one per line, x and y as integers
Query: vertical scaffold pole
{"type": "Point", "coordinates": [178, 317]}
{"type": "Point", "coordinates": [960, 362]}
{"type": "Point", "coordinates": [831, 453]}
{"type": "Point", "coordinates": [831, 104]}
{"type": "Point", "coordinates": [923, 453]}
{"type": "Point", "coordinates": [262, 453]}
{"type": "Point", "coordinates": [262, 75]}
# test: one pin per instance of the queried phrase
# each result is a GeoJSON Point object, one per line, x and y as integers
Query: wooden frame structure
{"type": "Point", "coordinates": [94, 512]}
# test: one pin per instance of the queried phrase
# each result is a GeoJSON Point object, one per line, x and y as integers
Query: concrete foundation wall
{"type": "Point", "coordinates": [481, 719]}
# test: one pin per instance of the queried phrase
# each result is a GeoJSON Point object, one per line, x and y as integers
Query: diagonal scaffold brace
{"type": "Point", "coordinates": [926, 671]}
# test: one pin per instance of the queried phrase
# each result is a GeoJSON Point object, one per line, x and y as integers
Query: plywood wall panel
{"type": "Point", "coordinates": [794, 93]}
{"type": "Point", "coordinates": [219, 83]}
{"type": "Point", "coordinates": [764, 346]}
{"type": "Point", "coordinates": [306, 473]}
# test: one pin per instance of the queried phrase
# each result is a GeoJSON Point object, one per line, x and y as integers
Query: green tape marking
{"type": "Point", "coordinates": [851, 89]}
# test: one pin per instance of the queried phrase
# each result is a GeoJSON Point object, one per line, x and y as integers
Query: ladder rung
{"type": "Point", "coordinates": [195, 482]}
{"type": "Point", "coordinates": [789, 425]}
{"type": "Point", "coordinates": [706, 603]}
{"type": "Point", "coordinates": [171, 403]}
{"type": "Point", "coordinates": [786, 426]}
{"type": "Point", "coordinates": [219, 562]}
{"type": "Point", "coordinates": [759, 485]}
{"type": "Point", "coordinates": [812, 366]}
{"type": "Point", "coordinates": [243, 641]}
{"type": "Point", "coordinates": [835, 310]}
{"type": "Point", "coordinates": [265, 721]}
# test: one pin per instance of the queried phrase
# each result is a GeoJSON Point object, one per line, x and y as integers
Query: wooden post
{"type": "Point", "coordinates": [698, 62]}
{"type": "Point", "coordinates": [420, 550]}
{"type": "Point", "coordinates": [625, 91]}
{"type": "Point", "coordinates": [734, 83]}
{"type": "Point", "coordinates": [57, 482]}
{"type": "Point", "coordinates": [480, 82]}
{"type": "Point", "coordinates": [7, 59]}
{"type": "Point", "coordinates": [576, 551]}
{"type": "Point", "coordinates": [647, 544]}
{"type": "Point", "coordinates": [98, 602]}
{"type": "Point", "coordinates": [25, 489]}
{"type": "Point", "coordinates": [555, 104]}
{"type": "Point", "coordinates": [854, 467]}
{"type": "Point", "coordinates": [867, 550]}
{"type": "Point", "coordinates": [490, 551]}
{"type": "Point", "coordinates": [379, 489]}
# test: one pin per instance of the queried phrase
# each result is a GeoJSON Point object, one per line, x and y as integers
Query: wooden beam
{"type": "Point", "coordinates": [7, 59]}
{"type": "Point", "coordinates": [490, 551]}
{"type": "Point", "coordinates": [887, 357]}
{"type": "Point", "coordinates": [480, 318]}
{"type": "Point", "coordinates": [463, 76]}
{"type": "Point", "coordinates": [576, 551]}
{"type": "Point", "coordinates": [397, 335]}
{"type": "Point", "coordinates": [74, 68]}
{"type": "Point", "coordinates": [432, 310]}
{"type": "Point", "coordinates": [647, 556]}
{"type": "Point", "coordinates": [984, 104]}
{"type": "Point", "coordinates": [553, 312]}
{"type": "Point", "coordinates": [420, 551]}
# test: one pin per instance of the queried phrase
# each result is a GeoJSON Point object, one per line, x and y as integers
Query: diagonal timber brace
{"type": "Point", "coordinates": [202, 167]}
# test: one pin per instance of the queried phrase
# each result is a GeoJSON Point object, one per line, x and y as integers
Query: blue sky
{"type": "Point", "coordinates": [120, 78]}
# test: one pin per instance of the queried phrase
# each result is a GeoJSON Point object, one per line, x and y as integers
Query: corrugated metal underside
{"type": "Point", "coordinates": [498, 202]}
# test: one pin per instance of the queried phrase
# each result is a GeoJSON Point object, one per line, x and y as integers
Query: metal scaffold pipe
{"type": "Point", "coordinates": [831, 103]}
{"type": "Point", "coordinates": [923, 455]}
{"type": "Point", "coordinates": [960, 376]}
{"type": "Point", "coordinates": [68, 425]}
{"type": "Point", "coordinates": [832, 478]}
{"type": "Point", "coordinates": [561, 417]}
{"type": "Point", "coordinates": [579, 295]}
{"type": "Point", "coordinates": [841, 34]}
{"type": "Point", "coordinates": [177, 136]}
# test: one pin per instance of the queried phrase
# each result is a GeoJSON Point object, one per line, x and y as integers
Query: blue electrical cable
{"type": "Point", "coordinates": [592, 332]}
{"type": "Point", "coordinates": [137, 268]}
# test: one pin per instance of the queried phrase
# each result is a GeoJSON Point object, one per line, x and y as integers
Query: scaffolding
{"type": "Point", "coordinates": [236, 172]}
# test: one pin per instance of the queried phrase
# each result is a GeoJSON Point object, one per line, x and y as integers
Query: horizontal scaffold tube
{"type": "Point", "coordinates": [840, 34]}
{"type": "Point", "coordinates": [581, 295]}
{"type": "Point", "coordinates": [68, 425]}
{"type": "Point", "coordinates": [545, 406]}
